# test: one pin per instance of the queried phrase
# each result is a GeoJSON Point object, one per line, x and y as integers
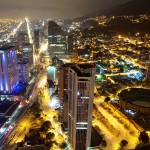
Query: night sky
{"type": "Point", "coordinates": [53, 8]}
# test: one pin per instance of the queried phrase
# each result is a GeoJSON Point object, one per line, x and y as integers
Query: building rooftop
{"type": "Point", "coordinates": [53, 24]}
{"type": "Point", "coordinates": [20, 88]}
{"type": "Point", "coordinates": [2, 120]}
{"type": "Point", "coordinates": [8, 107]}
{"type": "Point", "coordinates": [22, 33]}
{"type": "Point", "coordinates": [5, 105]}
{"type": "Point", "coordinates": [83, 65]}
{"type": "Point", "coordinates": [27, 44]}
{"type": "Point", "coordinates": [80, 73]}
{"type": "Point", "coordinates": [86, 65]}
{"type": "Point", "coordinates": [135, 94]}
{"type": "Point", "coordinates": [6, 48]}
{"type": "Point", "coordinates": [36, 147]}
{"type": "Point", "coordinates": [12, 109]}
{"type": "Point", "coordinates": [79, 68]}
{"type": "Point", "coordinates": [68, 65]}
{"type": "Point", "coordinates": [22, 62]}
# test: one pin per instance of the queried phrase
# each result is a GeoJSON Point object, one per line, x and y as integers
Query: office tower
{"type": "Point", "coordinates": [77, 88]}
{"type": "Point", "coordinates": [22, 39]}
{"type": "Point", "coordinates": [27, 53]}
{"type": "Point", "coordinates": [36, 36]}
{"type": "Point", "coordinates": [23, 72]}
{"type": "Point", "coordinates": [57, 49]}
{"type": "Point", "coordinates": [55, 43]}
{"type": "Point", "coordinates": [8, 69]}
{"type": "Point", "coordinates": [54, 33]}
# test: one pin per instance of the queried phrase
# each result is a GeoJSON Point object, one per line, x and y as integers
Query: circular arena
{"type": "Point", "coordinates": [136, 99]}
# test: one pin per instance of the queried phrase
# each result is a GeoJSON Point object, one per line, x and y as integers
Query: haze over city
{"type": "Point", "coordinates": [53, 8]}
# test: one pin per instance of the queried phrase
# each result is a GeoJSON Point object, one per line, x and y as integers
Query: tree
{"type": "Point", "coordinates": [144, 137]}
{"type": "Point", "coordinates": [107, 99]}
{"type": "Point", "coordinates": [38, 115]}
{"type": "Point", "coordinates": [49, 144]}
{"type": "Point", "coordinates": [46, 125]}
{"type": "Point", "coordinates": [63, 145]}
{"type": "Point", "coordinates": [50, 135]}
{"type": "Point", "coordinates": [26, 138]}
{"type": "Point", "coordinates": [103, 144]}
{"type": "Point", "coordinates": [97, 128]}
{"type": "Point", "coordinates": [123, 143]}
{"type": "Point", "coordinates": [121, 69]}
{"type": "Point", "coordinates": [31, 130]}
{"type": "Point", "coordinates": [36, 108]}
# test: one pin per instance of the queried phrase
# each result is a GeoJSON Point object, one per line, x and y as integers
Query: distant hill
{"type": "Point", "coordinates": [134, 7]}
{"type": "Point", "coordinates": [121, 25]}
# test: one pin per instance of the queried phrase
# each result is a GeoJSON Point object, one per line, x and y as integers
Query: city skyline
{"type": "Point", "coordinates": [76, 84]}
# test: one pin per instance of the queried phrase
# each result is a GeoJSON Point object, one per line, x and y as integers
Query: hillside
{"type": "Point", "coordinates": [134, 7]}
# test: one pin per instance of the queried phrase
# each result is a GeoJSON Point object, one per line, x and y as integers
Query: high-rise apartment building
{"type": "Point", "coordinates": [63, 81]}
{"type": "Point", "coordinates": [8, 69]}
{"type": "Point", "coordinates": [77, 88]}
{"type": "Point", "coordinates": [63, 92]}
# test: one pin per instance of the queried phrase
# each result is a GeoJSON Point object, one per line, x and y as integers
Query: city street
{"type": "Point", "coordinates": [115, 126]}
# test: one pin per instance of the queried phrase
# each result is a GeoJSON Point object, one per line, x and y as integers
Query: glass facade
{"type": "Point", "coordinates": [8, 69]}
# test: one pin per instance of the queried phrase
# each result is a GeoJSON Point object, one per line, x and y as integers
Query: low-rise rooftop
{"type": "Point", "coordinates": [6, 48]}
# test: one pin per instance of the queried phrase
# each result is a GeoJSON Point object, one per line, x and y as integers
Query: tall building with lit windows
{"type": "Point", "coordinates": [148, 71]}
{"type": "Point", "coordinates": [23, 72]}
{"type": "Point", "coordinates": [54, 33]}
{"type": "Point", "coordinates": [56, 45]}
{"type": "Point", "coordinates": [27, 54]}
{"type": "Point", "coordinates": [36, 37]}
{"type": "Point", "coordinates": [8, 69]}
{"type": "Point", "coordinates": [22, 38]}
{"type": "Point", "coordinates": [81, 79]}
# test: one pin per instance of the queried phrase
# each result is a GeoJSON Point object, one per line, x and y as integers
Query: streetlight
{"type": "Point", "coordinates": [116, 110]}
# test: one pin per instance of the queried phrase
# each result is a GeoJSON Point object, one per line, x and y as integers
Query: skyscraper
{"type": "Point", "coordinates": [22, 39]}
{"type": "Point", "coordinates": [78, 82]}
{"type": "Point", "coordinates": [23, 72]}
{"type": "Point", "coordinates": [55, 42]}
{"type": "Point", "coordinates": [8, 69]}
{"type": "Point", "coordinates": [63, 92]}
{"type": "Point", "coordinates": [36, 36]}
{"type": "Point", "coordinates": [54, 33]}
{"type": "Point", "coordinates": [27, 53]}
